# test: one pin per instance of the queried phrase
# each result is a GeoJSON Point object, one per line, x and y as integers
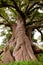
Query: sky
{"type": "Point", "coordinates": [1, 38]}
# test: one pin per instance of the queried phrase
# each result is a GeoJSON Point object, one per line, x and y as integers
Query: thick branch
{"type": "Point", "coordinates": [3, 17]}
{"type": "Point", "coordinates": [41, 34]}
{"type": "Point", "coordinates": [16, 7]}
{"type": "Point", "coordinates": [39, 31]}
{"type": "Point", "coordinates": [1, 52]}
{"type": "Point", "coordinates": [30, 23]}
{"type": "Point", "coordinates": [6, 24]}
{"type": "Point", "coordinates": [27, 6]}
{"type": "Point", "coordinates": [41, 4]}
{"type": "Point", "coordinates": [6, 5]}
{"type": "Point", "coordinates": [33, 10]}
{"type": "Point", "coordinates": [35, 26]}
{"type": "Point", "coordinates": [32, 6]}
{"type": "Point", "coordinates": [19, 11]}
{"type": "Point", "coordinates": [36, 49]}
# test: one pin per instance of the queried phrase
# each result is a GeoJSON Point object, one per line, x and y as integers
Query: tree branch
{"type": "Point", "coordinates": [19, 11]}
{"type": "Point", "coordinates": [39, 31]}
{"type": "Point", "coordinates": [36, 49]}
{"type": "Point", "coordinates": [30, 23]}
{"type": "Point", "coordinates": [28, 13]}
{"type": "Point", "coordinates": [27, 6]}
{"type": "Point", "coordinates": [16, 7]}
{"type": "Point", "coordinates": [6, 5]}
{"type": "Point", "coordinates": [4, 17]}
{"type": "Point", "coordinates": [34, 27]}
{"type": "Point", "coordinates": [32, 6]}
{"type": "Point", "coordinates": [6, 24]}
{"type": "Point", "coordinates": [1, 52]}
{"type": "Point", "coordinates": [41, 4]}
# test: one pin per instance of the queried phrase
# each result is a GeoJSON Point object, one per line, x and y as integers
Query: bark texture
{"type": "Point", "coordinates": [6, 57]}
{"type": "Point", "coordinates": [23, 50]}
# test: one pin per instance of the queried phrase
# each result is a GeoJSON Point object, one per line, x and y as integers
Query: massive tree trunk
{"type": "Point", "coordinates": [22, 43]}
{"type": "Point", "coordinates": [23, 49]}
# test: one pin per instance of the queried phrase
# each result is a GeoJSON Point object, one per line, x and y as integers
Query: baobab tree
{"type": "Point", "coordinates": [24, 19]}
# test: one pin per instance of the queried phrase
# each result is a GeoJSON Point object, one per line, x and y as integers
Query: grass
{"type": "Point", "coordinates": [23, 63]}
{"type": "Point", "coordinates": [40, 58]}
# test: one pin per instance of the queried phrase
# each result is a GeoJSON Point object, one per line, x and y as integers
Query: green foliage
{"type": "Point", "coordinates": [8, 36]}
{"type": "Point", "coordinates": [2, 13]}
{"type": "Point", "coordinates": [40, 57]}
{"type": "Point", "coordinates": [2, 46]}
{"type": "Point", "coordinates": [6, 1]}
{"type": "Point", "coordinates": [0, 57]}
{"type": "Point", "coordinates": [34, 40]}
{"type": "Point", "coordinates": [38, 15]}
{"type": "Point", "coordinates": [2, 33]}
{"type": "Point", "coordinates": [6, 32]}
{"type": "Point", "coordinates": [4, 40]}
{"type": "Point", "coordinates": [22, 63]}
{"type": "Point", "coordinates": [22, 4]}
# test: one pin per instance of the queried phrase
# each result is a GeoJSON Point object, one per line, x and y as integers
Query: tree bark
{"type": "Point", "coordinates": [23, 50]}
{"type": "Point", "coordinates": [22, 44]}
